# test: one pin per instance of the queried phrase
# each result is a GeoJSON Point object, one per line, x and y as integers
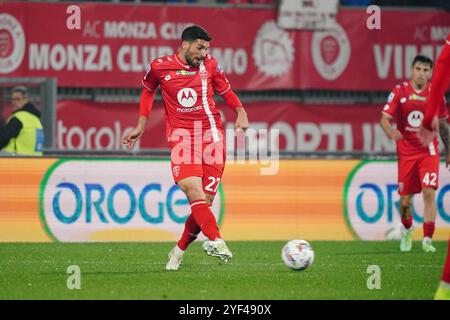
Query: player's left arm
{"type": "Point", "coordinates": [233, 101]}
{"type": "Point", "coordinates": [223, 87]}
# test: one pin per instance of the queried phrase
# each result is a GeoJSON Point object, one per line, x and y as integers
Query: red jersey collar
{"type": "Point", "coordinates": [421, 91]}
{"type": "Point", "coordinates": [181, 63]}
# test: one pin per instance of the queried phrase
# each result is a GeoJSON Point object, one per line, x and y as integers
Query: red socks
{"type": "Point", "coordinates": [201, 219]}
{"type": "Point", "coordinates": [428, 229]}
{"type": "Point", "coordinates": [191, 230]}
{"type": "Point", "coordinates": [428, 226]}
{"type": "Point", "coordinates": [446, 272]}
{"type": "Point", "coordinates": [407, 223]}
{"type": "Point", "coordinates": [205, 219]}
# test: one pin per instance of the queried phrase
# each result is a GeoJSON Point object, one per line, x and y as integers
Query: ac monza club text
{"type": "Point", "coordinates": [126, 58]}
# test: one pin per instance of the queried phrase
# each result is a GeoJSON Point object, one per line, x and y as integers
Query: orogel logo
{"type": "Point", "coordinates": [371, 200]}
{"type": "Point", "coordinates": [114, 200]}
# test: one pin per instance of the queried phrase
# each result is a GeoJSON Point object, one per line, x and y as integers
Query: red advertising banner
{"type": "Point", "coordinates": [302, 127]}
{"type": "Point", "coordinates": [115, 43]}
{"type": "Point", "coordinates": [353, 57]}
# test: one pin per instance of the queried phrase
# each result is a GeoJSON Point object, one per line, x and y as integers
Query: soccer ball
{"type": "Point", "coordinates": [297, 254]}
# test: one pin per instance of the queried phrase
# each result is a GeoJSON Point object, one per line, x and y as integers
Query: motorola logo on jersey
{"type": "Point", "coordinates": [415, 119]}
{"type": "Point", "coordinates": [187, 97]}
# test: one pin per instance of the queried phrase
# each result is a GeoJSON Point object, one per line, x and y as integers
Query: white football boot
{"type": "Point", "coordinates": [427, 245]}
{"type": "Point", "coordinates": [217, 248]}
{"type": "Point", "coordinates": [406, 240]}
{"type": "Point", "coordinates": [175, 258]}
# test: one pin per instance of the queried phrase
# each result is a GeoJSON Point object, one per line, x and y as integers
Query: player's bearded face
{"type": "Point", "coordinates": [196, 52]}
{"type": "Point", "coordinates": [421, 73]}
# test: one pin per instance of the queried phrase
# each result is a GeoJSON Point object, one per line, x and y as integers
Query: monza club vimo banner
{"type": "Point", "coordinates": [115, 43]}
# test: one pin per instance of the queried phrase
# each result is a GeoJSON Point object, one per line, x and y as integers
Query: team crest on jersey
{"type": "Point", "coordinates": [417, 97]}
{"type": "Point", "coordinates": [186, 73]}
{"type": "Point", "coordinates": [176, 171]}
{"type": "Point", "coordinates": [203, 75]}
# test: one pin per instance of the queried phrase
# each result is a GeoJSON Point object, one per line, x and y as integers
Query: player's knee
{"type": "Point", "coordinates": [404, 208]}
{"type": "Point", "coordinates": [194, 193]}
{"type": "Point", "coordinates": [192, 190]}
{"type": "Point", "coordinates": [428, 194]}
{"type": "Point", "coordinates": [209, 198]}
{"type": "Point", "coordinates": [405, 204]}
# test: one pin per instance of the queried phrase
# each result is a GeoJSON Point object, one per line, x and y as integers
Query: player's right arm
{"type": "Point", "coordinates": [388, 113]}
{"type": "Point", "coordinates": [150, 83]}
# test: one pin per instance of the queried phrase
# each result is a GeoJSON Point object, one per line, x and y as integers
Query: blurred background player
{"type": "Point", "coordinates": [23, 133]}
{"type": "Point", "coordinates": [440, 82]}
{"type": "Point", "coordinates": [194, 129]}
{"type": "Point", "coordinates": [418, 165]}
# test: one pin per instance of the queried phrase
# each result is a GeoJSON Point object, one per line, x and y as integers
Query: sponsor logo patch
{"type": "Point", "coordinates": [186, 73]}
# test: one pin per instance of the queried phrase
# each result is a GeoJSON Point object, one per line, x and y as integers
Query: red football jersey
{"type": "Point", "coordinates": [408, 107]}
{"type": "Point", "coordinates": [441, 79]}
{"type": "Point", "coordinates": [188, 92]}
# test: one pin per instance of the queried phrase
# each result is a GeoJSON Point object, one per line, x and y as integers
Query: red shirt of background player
{"type": "Point", "coordinates": [407, 106]}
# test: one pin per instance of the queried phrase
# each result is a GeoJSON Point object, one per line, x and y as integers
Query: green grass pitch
{"type": "Point", "coordinates": [137, 271]}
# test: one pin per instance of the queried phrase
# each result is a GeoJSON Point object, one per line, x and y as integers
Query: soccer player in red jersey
{"type": "Point", "coordinates": [194, 132]}
{"type": "Point", "coordinates": [418, 165]}
{"type": "Point", "coordinates": [440, 82]}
